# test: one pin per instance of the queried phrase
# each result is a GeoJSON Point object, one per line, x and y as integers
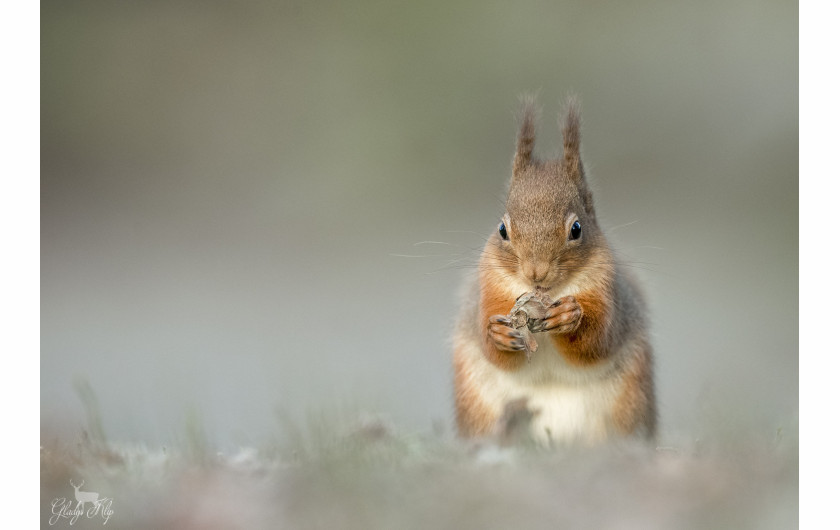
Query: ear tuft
{"type": "Point", "coordinates": [528, 112]}
{"type": "Point", "coordinates": [572, 163]}
{"type": "Point", "coordinates": [570, 125]}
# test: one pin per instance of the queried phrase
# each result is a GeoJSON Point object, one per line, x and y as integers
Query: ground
{"type": "Point", "coordinates": [365, 474]}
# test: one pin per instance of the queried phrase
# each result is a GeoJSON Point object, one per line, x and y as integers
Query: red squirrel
{"type": "Point", "coordinates": [590, 376]}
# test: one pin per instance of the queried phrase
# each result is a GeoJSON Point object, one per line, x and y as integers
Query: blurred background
{"type": "Point", "coordinates": [253, 207]}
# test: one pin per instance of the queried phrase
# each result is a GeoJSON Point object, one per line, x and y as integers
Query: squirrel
{"type": "Point", "coordinates": [591, 376]}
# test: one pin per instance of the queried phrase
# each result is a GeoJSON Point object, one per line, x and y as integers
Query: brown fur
{"type": "Point", "coordinates": [473, 417]}
{"type": "Point", "coordinates": [635, 412]}
{"type": "Point", "coordinates": [603, 321]}
{"type": "Point", "coordinates": [496, 302]}
{"type": "Point", "coordinates": [589, 343]}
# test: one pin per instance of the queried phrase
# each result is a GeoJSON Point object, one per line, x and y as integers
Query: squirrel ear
{"type": "Point", "coordinates": [572, 164]}
{"type": "Point", "coordinates": [570, 125]}
{"type": "Point", "coordinates": [527, 133]}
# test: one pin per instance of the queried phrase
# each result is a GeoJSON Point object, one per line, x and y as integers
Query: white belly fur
{"type": "Point", "coordinates": [570, 403]}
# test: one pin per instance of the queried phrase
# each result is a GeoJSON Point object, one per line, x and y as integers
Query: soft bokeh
{"type": "Point", "coordinates": [259, 206]}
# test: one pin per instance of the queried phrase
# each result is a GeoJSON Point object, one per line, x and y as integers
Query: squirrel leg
{"type": "Point", "coordinates": [564, 316]}
{"type": "Point", "coordinates": [580, 327]}
{"type": "Point", "coordinates": [503, 335]}
{"type": "Point", "coordinates": [502, 344]}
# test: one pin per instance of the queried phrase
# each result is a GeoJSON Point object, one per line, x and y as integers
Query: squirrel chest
{"type": "Point", "coordinates": [569, 403]}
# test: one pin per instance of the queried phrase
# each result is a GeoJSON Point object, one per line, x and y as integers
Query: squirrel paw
{"type": "Point", "coordinates": [563, 316]}
{"type": "Point", "coordinates": [503, 335]}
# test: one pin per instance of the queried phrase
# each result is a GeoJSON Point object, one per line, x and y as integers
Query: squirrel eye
{"type": "Point", "coordinates": [574, 233]}
{"type": "Point", "coordinates": [503, 231]}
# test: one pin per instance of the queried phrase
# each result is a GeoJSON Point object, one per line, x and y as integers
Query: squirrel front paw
{"type": "Point", "coordinates": [503, 335]}
{"type": "Point", "coordinates": [563, 316]}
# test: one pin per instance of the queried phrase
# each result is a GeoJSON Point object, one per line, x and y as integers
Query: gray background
{"type": "Point", "coordinates": [229, 191]}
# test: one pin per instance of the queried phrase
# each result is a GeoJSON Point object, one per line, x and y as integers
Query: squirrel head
{"type": "Point", "coordinates": [549, 230]}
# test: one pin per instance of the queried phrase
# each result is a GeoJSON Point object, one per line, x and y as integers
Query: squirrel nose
{"type": "Point", "coordinates": [536, 271]}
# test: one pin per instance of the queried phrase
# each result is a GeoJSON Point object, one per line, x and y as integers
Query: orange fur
{"type": "Point", "coordinates": [635, 410]}
{"type": "Point", "coordinates": [588, 344]}
{"type": "Point", "coordinates": [494, 301]}
{"type": "Point", "coordinates": [473, 417]}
